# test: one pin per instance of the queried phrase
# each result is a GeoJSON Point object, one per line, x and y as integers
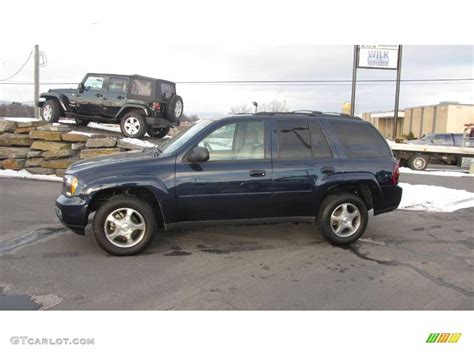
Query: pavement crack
{"type": "Point", "coordinates": [421, 272]}
{"type": "Point", "coordinates": [28, 238]}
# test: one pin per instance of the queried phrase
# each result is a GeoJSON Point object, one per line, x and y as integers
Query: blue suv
{"type": "Point", "coordinates": [304, 166]}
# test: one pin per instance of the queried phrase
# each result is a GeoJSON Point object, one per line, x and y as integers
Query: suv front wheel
{"type": "Point", "coordinates": [124, 225]}
{"type": "Point", "coordinates": [133, 124]}
{"type": "Point", "coordinates": [343, 218]}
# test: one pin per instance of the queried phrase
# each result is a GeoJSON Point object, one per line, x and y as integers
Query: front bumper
{"type": "Point", "coordinates": [72, 212]}
{"type": "Point", "coordinates": [388, 200]}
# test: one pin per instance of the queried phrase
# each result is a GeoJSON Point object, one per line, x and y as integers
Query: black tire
{"type": "Point", "coordinates": [333, 203]}
{"type": "Point", "coordinates": [51, 111]}
{"type": "Point", "coordinates": [174, 109]}
{"type": "Point", "coordinates": [418, 162]}
{"type": "Point", "coordinates": [158, 132]}
{"type": "Point", "coordinates": [81, 122]}
{"type": "Point", "coordinates": [133, 124]}
{"type": "Point", "coordinates": [124, 202]}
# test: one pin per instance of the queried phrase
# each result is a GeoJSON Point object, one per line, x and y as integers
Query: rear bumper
{"type": "Point", "coordinates": [72, 212]}
{"type": "Point", "coordinates": [388, 200]}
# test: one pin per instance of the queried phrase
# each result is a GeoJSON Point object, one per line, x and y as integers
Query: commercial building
{"type": "Point", "coordinates": [445, 117]}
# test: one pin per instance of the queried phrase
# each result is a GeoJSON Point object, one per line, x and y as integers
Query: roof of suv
{"type": "Point", "coordinates": [133, 75]}
{"type": "Point", "coordinates": [302, 113]}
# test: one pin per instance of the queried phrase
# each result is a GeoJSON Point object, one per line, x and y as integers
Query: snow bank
{"type": "Point", "coordinates": [21, 119]}
{"type": "Point", "coordinates": [431, 198]}
{"type": "Point", "coordinates": [436, 172]}
{"type": "Point", "coordinates": [23, 174]}
{"type": "Point", "coordinates": [138, 142]}
{"type": "Point", "coordinates": [105, 126]}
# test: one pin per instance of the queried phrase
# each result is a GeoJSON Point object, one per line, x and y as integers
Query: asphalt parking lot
{"type": "Point", "coordinates": [406, 260]}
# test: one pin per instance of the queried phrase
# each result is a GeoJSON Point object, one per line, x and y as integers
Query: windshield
{"type": "Point", "coordinates": [178, 141]}
{"type": "Point", "coordinates": [427, 138]}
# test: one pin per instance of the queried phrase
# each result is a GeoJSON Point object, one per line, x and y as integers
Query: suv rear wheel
{"type": "Point", "coordinates": [124, 225]}
{"type": "Point", "coordinates": [343, 218]}
{"type": "Point", "coordinates": [158, 132]}
{"type": "Point", "coordinates": [133, 124]}
{"type": "Point", "coordinates": [51, 111]}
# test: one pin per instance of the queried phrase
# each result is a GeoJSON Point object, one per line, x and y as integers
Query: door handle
{"type": "Point", "coordinates": [99, 94]}
{"type": "Point", "coordinates": [120, 97]}
{"type": "Point", "coordinates": [257, 173]}
{"type": "Point", "coordinates": [328, 170]}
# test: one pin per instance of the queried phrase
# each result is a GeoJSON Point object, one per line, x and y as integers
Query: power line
{"type": "Point", "coordinates": [19, 70]}
{"type": "Point", "coordinates": [283, 82]}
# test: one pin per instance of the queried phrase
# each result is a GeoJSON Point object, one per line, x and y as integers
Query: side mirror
{"type": "Point", "coordinates": [81, 87]}
{"type": "Point", "coordinates": [198, 154]}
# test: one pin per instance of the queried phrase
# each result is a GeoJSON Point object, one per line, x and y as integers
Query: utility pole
{"type": "Point", "coordinates": [354, 79]}
{"type": "Point", "coordinates": [397, 92]}
{"type": "Point", "coordinates": [36, 80]}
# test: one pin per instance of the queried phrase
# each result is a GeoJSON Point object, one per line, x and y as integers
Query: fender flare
{"type": "Point", "coordinates": [63, 100]}
{"type": "Point", "coordinates": [128, 106]}
{"type": "Point", "coordinates": [160, 193]}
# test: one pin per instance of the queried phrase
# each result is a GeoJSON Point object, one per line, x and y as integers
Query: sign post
{"type": "Point", "coordinates": [388, 57]}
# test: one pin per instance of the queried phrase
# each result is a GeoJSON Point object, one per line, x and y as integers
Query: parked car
{"type": "Point", "coordinates": [446, 139]}
{"type": "Point", "coordinates": [139, 104]}
{"type": "Point", "coordinates": [312, 167]}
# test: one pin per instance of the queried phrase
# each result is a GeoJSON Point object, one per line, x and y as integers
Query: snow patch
{"type": "Point", "coordinates": [429, 198]}
{"type": "Point", "coordinates": [105, 126]}
{"type": "Point", "coordinates": [21, 119]}
{"type": "Point", "coordinates": [138, 142]}
{"type": "Point", "coordinates": [436, 172]}
{"type": "Point", "coordinates": [23, 174]}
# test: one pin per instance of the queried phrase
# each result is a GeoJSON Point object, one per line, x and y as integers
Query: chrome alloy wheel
{"type": "Point", "coordinates": [125, 227]}
{"type": "Point", "coordinates": [47, 112]}
{"type": "Point", "coordinates": [345, 220]}
{"type": "Point", "coordinates": [131, 125]}
{"type": "Point", "coordinates": [178, 109]}
{"type": "Point", "coordinates": [419, 163]}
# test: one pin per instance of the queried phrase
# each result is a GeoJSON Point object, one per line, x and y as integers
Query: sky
{"type": "Point", "coordinates": [92, 41]}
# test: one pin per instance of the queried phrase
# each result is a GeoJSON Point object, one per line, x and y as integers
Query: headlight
{"type": "Point", "coordinates": [70, 183]}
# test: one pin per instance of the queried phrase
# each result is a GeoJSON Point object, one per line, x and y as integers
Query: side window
{"type": "Point", "coordinates": [140, 87]}
{"type": "Point", "coordinates": [167, 91]}
{"type": "Point", "coordinates": [442, 139]}
{"type": "Point", "coordinates": [319, 142]}
{"type": "Point", "coordinates": [458, 140]}
{"type": "Point", "coordinates": [360, 140]}
{"type": "Point", "coordinates": [117, 85]}
{"type": "Point", "coordinates": [293, 139]}
{"type": "Point", "coordinates": [236, 141]}
{"type": "Point", "coordinates": [94, 83]}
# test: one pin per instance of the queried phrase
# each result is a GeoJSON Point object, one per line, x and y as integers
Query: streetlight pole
{"type": "Point", "coordinates": [36, 80]}
{"type": "Point", "coordinates": [354, 79]}
{"type": "Point", "coordinates": [397, 92]}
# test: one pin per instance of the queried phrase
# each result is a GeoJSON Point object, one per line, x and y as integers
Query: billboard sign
{"type": "Point", "coordinates": [378, 56]}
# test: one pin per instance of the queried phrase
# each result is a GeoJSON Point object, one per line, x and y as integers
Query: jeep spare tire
{"type": "Point", "coordinates": [174, 109]}
{"type": "Point", "coordinates": [133, 124]}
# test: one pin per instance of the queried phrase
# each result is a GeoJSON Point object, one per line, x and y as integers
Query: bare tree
{"type": "Point", "coordinates": [241, 109]}
{"type": "Point", "coordinates": [272, 106]}
{"type": "Point", "coordinates": [275, 106]}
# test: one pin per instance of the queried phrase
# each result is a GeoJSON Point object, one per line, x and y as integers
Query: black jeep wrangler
{"type": "Point", "coordinates": [139, 104]}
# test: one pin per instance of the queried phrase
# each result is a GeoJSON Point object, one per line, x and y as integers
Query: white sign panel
{"type": "Point", "coordinates": [378, 56]}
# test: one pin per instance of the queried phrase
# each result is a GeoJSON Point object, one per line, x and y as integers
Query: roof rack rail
{"type": "Point", "coordinates": [307, 112]}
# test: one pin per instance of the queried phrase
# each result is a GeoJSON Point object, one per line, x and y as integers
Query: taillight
{"type": "Point", "coordinates": [395, 173]}
{"type": "Point", "coordinates": [155, 106]}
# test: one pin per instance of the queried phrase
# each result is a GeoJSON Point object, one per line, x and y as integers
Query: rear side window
{"type": "Point", "coordinates": [141, 87]}
{"type": "Point", "coordinates": [293, 139]}
{"type": "Point", "coordinates": [167, 91]}
{"type": "Point", "coordinates": [360, 140]}
{"type": "Point", "coordinates": [319, 143]}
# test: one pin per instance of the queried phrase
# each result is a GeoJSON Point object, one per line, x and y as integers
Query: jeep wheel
{"type": "Point", "coordinates": [133, 124]}
{"type": "Point", "coordinates": [174, 109]}
{"type": "Point", "coordinates": [158, 132]}
{"type": "Point", "coordinates": [51, 111]}
{"type": "Point", "coordinates": [81, 122]}
{"type": "Point", "coordinates": [418, 162]}
{"type": "Point", "coordinates": [124, 225]}
{"type": "Point", "coordinates": [342, 218]}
